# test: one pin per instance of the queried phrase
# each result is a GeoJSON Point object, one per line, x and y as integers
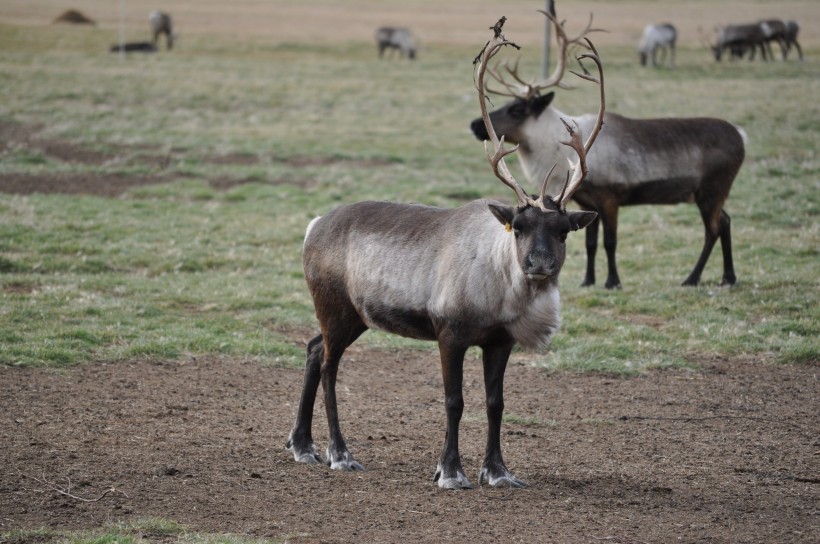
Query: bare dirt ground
{"type": "Point", "coordinates": [730, 453]}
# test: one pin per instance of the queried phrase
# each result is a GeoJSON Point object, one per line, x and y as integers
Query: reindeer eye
{"type": "Point", "coordinates": [517, 111]}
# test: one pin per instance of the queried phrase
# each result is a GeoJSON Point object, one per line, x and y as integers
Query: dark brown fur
{"type": "Point", "coordinates": [644, 161]}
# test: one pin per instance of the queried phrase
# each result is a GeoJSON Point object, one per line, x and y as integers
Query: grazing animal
{"type": "Point", "coordinates": [74, 16]}
{"type": "Point", "coordinates": [635, 161]}
{"type": "Point", "coordinates": [739, 39]}
{"type": "Point", "coordinates": [774, 30]}
{"type": "Point", "coordinates": [792, 28]}
{"type": "Point", "coordinates": [161, 23]}
{"type": "Point", "coordinates": [658, 37]}
{"type": "Point", "coordinates": [484, 274]}
{"type": "Point", "coordinates": [134, 47]}
{"type": "Point", "coordinates": [399, 39]}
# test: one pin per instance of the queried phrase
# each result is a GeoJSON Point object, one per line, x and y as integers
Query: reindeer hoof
{"type": "Point", "coordinates": [504, 479]}
{"type": "Point", "coordinates": [343, 461]}
{"type": "Point", "coordinates": [306, 454]}
{"type": "Point", "coordinates": [457, 482]}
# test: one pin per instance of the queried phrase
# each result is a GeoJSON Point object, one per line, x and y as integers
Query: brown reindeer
{"type": "Point", "coordinates": [484, 274]}
{"type": "Point", "coordinates": [161, 24]}
{"type": "Point", "coordinates": [636, 161]}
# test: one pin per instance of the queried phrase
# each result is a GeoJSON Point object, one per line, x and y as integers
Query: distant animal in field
{"type": "Point", "coordinates": [484, 274]}
{"type": "Point", "coordinates": [738, 40]}
{"type": "Point", "coordinates": [161, 23]}
{"type": "Point", "coordinates": [774, 31]}
{"type": "Point", "coordinates": [792, 29]}
{"type": "Point", "coordinates": [73, 16]}
{"type": "Point", "coordinates": [634, 161]}
{"type": "Point", "coordinates": [656, 38]}
{"type": "Point", "coordinates": [399, 39]}
{"type": "Point", "coordinates": [134, 47]}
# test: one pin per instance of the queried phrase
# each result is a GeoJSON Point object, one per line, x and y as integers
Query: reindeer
{"type": "Point", "coordinates": [161, 24]}
{"type": "Point", "coordinates": [774, 30]}
{"type": "Point", "coordinates": [657, 37]}
{"type": "Point", "coordinates": [792, 28]}
{"type": "Point", "coordinates": [396, 38]}
{"type": "Point", "coordinates": [636, 161]}
{"type": "Point", "coordinates": [484, 274]}
{"type": "Point", "coordinates": [738, 39]}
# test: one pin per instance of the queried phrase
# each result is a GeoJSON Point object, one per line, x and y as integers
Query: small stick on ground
{"type": "Point", "coordinates": [67, 489]}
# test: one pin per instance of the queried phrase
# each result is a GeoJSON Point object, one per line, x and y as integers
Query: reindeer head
{"type": "Point", "coordinates": [540, 224]}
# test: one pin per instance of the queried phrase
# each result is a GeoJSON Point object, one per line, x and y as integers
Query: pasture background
{"type": "Point", "coordinates": [268, 113]}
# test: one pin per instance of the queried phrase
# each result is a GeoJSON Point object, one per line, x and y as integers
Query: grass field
{"type": "Point", "coordinates": [253, 132]}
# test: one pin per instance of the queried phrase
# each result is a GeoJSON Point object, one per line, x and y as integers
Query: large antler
{"type": "Point", "coordinates": [496, 157]}
{"type": "Point", "coordinates": [579, 168]}
{"type": "Point", "coordinates": [523, 89]}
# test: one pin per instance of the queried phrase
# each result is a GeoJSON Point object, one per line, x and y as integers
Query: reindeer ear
{"type": "Point", "coordinates": [504, 214]}
{"type": "Point", "coordinates": [579, 220]}
{"type": "Point", "coordinates": [540, 103]}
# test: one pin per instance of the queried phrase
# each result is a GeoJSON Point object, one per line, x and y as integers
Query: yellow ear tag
{"type": "Point", "coordinates": [508, 227]}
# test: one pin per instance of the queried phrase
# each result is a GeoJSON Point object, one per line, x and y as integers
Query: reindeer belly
{"type": "Point", "coordinates": [662, 191]}
{"type": "Point", "coordinates": [397, 319]}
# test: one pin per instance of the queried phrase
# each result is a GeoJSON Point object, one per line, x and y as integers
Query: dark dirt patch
{"type": "Point", "coordinates": [16, 136]}
{"type": "Point", "coordinates": [729, 454]}
{"type": "Point", "coordinates": [106, 185]}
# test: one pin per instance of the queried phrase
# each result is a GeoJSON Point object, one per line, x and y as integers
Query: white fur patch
{"type": "Point", "coordinates": [539, 320]}
{"type": "Point", "coordinates": [309, 227]}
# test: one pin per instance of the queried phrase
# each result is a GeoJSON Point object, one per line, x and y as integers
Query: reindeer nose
{"type": "Point", "coordinates": [479, 130]}
{"type": "Point", "coordinates": [540, 265]}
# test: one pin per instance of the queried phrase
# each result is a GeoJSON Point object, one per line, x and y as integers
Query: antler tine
{"type": "Point", "coordinates": [564, 42]}
{"type": "Point", "coordinates": [512, 89]}
{"type": "Point", "coordinates": [543, 194]}
{"type": "Point", "coordinates": [579, 168]}
{"type": "Point", "coordinates": [496, 159]}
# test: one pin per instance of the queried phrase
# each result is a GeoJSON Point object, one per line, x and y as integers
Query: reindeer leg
{"type": "Point", "coordinates": [729, 277]}
{"type": "Point", "coordinates": [609, 217]}
{"type": "Point", "coordinates": [338, 456]}
{"type": "Point", "coordinates": [300, 441]}
{"type": "Point", "coordinates": [711, 223]}
{"type": "Point", "coordinates": [592, 248]}
{"type": "Point", "coordinates": [494, 471]}
{"type": "Point", "coordinates": [449, 473]}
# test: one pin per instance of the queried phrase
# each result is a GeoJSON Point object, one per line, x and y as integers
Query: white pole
{"type": "Point", "coordinates": [122, 30]}
{"type": "Point", "coordinates": [545, 56]}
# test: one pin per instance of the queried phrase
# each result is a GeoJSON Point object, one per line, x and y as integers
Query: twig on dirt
{"type": "Point", "coordinates": [705, 418]}
{"type": "Point", "coordinates": [67, 489]}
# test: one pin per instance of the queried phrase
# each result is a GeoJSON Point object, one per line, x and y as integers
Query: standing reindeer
{"type": "Point", "coordinates": [658, 37]}
{"type": "Point", "coordinates": [400, 39]}
{"type": "Point", "coordinates": [792, 28]}
{"type": "Point", "coordinates": [484, 274]}
{"type": "Point", "coordinates": [646, 161]}
{"type": "Point", "coordinates": [739, 39]}
{"type": "Point", "coordinates": [161, 24]}
{"type": "Point", "coordinates": [774, 30]}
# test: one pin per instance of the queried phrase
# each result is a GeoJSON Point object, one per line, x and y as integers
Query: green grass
{"type": "Point", "coordinates": [132, 532]}
{"type": "Point", "coordinates": [182, 268]}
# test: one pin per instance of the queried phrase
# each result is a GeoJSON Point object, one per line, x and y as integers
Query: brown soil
{"type": "Point", "coordinates": [727, 454]}
{"type": "Point", "coordinates": [16, 137]}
